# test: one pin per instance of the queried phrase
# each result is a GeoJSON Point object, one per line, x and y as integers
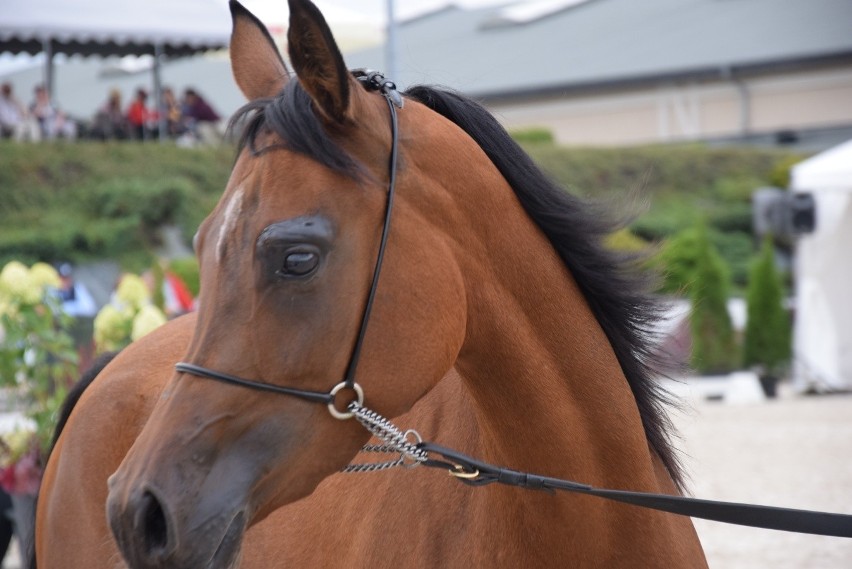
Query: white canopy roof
{"type": "Point", "coordinates": [831, 169]}
{"type": "Point", "coordinates": [114, 27]}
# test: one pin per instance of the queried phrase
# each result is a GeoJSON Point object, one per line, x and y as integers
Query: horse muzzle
{"type": "Point", "coordinates": [150, 532]}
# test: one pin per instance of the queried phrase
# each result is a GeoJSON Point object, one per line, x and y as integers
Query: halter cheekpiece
{"type": "Point", "coordinates": [372, 81]}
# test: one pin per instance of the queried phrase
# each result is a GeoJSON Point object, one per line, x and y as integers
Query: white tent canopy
{"type": "Point", "coordinates": [170, 28]}
{"type": "Point", "coordinates": [114, 27]}
{"type": "Point", "coordinates": [822, 341]}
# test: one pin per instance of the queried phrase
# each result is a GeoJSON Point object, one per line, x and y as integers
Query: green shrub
{"type": "Point", "coordinates": [150, 203]}
{"type": "Point", "coordinates": [736, 249]}
{"type": "Point", "coordinates": [767, 342]}
{"type": "Point", "coordinates": [187, 269]}
{"type": "Point", "coordinates": [533, 136]}
{"type": "Point", "coordinates": [48, 192]}
{"type": "Point", "coordinates": [662, 171]}
{"type": "Point", "coordinates": [730, 189]}
{"type": "Point", "coordinates": [677, 262]}
{"type": "Point", "coordinates": [87, 201]}
{"type": "Point", "coordinates": [677, 259]}
{"type": "Point", "coordinates": [734, 216]}
{"type": "Point", "coordinates": [625, 241]}
{"type": "Point", "coordinates": [713, 343]}
{"type": "Point", "coordinates": [666, 218]}
{"type": "Point", "coordinates": [779, 176]}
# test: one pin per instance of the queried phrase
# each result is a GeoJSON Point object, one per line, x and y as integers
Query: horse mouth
{"type": "Point", "coordinates": [227, 555]}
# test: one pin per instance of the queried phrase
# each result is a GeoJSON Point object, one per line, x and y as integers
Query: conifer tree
{"type": "Point", "coordinates": [768, 331]}
{"type": "Point", "coordinates": [714, 347]}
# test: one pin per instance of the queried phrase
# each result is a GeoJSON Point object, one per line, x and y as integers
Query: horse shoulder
{"type": "Point", "coordinates": [100, 429]}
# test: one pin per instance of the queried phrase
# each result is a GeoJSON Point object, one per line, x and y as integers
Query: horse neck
{"type": "Point", "coordinates": [548, 391]}
{"type": "Point", "coordinates": [542, 391]}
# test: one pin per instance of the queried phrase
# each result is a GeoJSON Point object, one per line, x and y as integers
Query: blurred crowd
{"type": "Point", "coordinates": [188, 120]}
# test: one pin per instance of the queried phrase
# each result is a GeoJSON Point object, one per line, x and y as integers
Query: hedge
{"type": "Point", "coordinates": [93, 200]}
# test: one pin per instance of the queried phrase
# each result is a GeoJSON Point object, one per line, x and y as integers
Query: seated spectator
{"type": "Point", "coordinates": [52, 123]}
{"type": "Point", "coordinates": [14, 122]}
{"type": "Point", "coordinates": [174, 117]}
{"type": "Point", "coordinates": [140, 117]}
{"type": "Point", "coordinates": [201, 120]}
{"type": "Point", "coordinates": [109, 120]}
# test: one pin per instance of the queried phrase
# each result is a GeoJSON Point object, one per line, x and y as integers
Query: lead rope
{"type": "Point", "coordinates": [477, 473]}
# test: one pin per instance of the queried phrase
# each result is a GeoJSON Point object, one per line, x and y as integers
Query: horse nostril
{"type": "Point", "coordinates": [154, 526]}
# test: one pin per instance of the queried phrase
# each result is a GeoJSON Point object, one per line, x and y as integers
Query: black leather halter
{"type": "Point", "coordinates": [374, 81]}
{"type": "Point", "coordinates": [478, 473]}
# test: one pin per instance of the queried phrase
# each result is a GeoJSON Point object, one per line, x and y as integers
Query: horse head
{"type": "Point", "coordinates": [287, 262]}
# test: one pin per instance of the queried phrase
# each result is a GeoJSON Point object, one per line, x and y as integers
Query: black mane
{"type": "Point", "coordinates": [291, 118]}
{"type": "Point", "coordinates": [615, 291]}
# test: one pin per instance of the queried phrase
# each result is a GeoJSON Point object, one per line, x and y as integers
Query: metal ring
{"type": "Point", "coordinates": [342, 415]}
{"type": "Point", "coordinates": [409, 461]}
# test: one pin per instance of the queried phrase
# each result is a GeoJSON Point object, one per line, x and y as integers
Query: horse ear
{"type": "Point", "coordinates": [255, 61]}
{"type": "Point", "coordinates": [317, 60]}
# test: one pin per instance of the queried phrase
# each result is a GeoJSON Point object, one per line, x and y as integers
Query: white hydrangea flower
{"type": "Point", "coordinates": [16, 283]}
{"type": "Point", "coordinates": [133, 291]}
{"type": "Point", "coordinates": [147, 320]}
{"type": "Point", "coordinates": [111, 327]}
{"type": "Point", "coordinates": [43, 275]}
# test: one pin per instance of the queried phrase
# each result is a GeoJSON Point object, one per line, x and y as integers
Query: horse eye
{"type": "Point", "coordinates": [299, 264]}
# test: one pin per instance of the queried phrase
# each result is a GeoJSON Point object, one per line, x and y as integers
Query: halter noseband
{"type": "Point", "coordinates": [374, 81]}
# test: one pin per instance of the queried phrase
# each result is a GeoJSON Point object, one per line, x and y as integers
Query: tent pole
{"type": "Point", "coordinates": [162, 120]}
{"type": "Point", "coordinates": [47, 48]}
{"type": "Point", "coordinates": [391, 44]}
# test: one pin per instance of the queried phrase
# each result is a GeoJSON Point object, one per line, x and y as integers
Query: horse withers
{"type": "Point", "coordinates": [498, 325]}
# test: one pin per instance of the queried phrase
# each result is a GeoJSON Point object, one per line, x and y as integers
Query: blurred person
{"type": "Point", "coordinates": [78, 303]}
{"type": "Point", "coordinates": [110, 121]}
{"type": "Point", "coordinates": [6, 526]}
{"type": "Point", "coordinates": [14, 121]}
{"type": "Point", "coordinates": [202, 120]}
{"type": "Point", "coordinates": [174, 117]}
{"type": "Point", "coordinates": [76, 298]}
{"type": "Point", "coordinates": [168, 290]}
{"type": "Point", "coordinates": [177, 297]}
{"type": "Point", "coordinates": [52, 123]}
{"type": "Point", "coordinates": [140, 117]}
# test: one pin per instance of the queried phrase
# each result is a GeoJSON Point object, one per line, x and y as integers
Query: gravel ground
{"type": "Point", "coordinates": [795, 451]}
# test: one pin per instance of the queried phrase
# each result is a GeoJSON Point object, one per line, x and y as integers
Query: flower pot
{"type": "Point", "coordinates": [769, 383]}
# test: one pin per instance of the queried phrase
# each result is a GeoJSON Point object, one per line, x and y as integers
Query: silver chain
{"type": "Point", "coordinates": [394, 441]}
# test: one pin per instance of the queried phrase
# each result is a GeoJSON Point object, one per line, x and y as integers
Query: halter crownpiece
{"type": "Point", "coordinates": [372, 81]}
{"type": "Point", "coordinates": [376, 81]}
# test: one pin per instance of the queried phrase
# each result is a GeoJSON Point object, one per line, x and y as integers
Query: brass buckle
{"type": "Point", "coordinates": [459, 472]}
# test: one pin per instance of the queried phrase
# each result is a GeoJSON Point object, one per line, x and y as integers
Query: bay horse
{"type": "Point", "coordinates": [499, 326]}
